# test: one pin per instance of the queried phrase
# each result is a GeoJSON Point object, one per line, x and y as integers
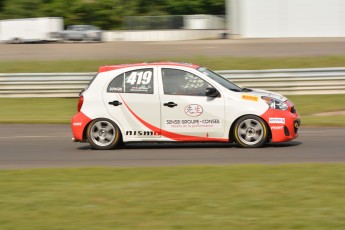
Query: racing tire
{"type": "Point", "coordinates": [250, 132]}
{"type": "Point", "coordinates": [103, 134]}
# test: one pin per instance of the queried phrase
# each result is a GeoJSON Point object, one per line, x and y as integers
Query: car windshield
{"type": "Point", "coordinates": [93, 28]}
{"type": "Point", "coordinates": [219, 79]}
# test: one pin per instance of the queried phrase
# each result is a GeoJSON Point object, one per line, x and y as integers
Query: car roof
{"type": "Point", "coordinates": [144, 64]}
{"type": "Point", "coordinates": [83, 26]}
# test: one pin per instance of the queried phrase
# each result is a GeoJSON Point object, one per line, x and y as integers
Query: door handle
{"type": "Point", "coordinates": [170, 104]}
{"type": "Point", "coordinates": [115, 103]}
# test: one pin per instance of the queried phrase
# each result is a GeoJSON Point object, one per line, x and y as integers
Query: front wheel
{"type": "Point", "coordinates": [103, 134]}
{"type": "Point", "coordinates": [250, 131]}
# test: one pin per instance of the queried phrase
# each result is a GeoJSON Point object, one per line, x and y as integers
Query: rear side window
{"type": "Point", "coordinates": [88, 85]}
{"type": "Point", "coordinates": [135, 81]}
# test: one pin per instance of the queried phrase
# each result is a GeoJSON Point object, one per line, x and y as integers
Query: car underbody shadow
{"type": "Point", "coordinates": [179, 145]}
{"type": "Point", "coordinates": [282, 144]}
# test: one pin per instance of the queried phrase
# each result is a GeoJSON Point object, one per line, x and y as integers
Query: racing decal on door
{"type": "Point", "coordinates": [193, 110]}
{"type": "Point", "coordinates": [171, 135]}
{"type": "Point", "coordinates": [193, 123]}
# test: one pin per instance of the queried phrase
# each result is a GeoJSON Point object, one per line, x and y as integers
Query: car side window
{"type": "Point", "coordinates": [135, 81]}
{"type": "Point", "coordinates": [179, 82]}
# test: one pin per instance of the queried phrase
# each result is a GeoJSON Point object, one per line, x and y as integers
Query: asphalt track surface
{"type": "Point", "coordinates": [50, 146]}
{"type": "Point", "coordinates": [284, 47]}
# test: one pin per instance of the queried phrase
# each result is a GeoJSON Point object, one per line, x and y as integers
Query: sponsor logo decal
{"type": "Point", "coordinates": [193, 123]}
{"type": "Point", "coordinates": [250, 98]}
{"type": "Point", "coordinates": [116, 89]}
{"type": "Point", "coordinates": [77, 124]}
{"type": "Point", "coordinates": [276, 120]}
{"type": "Point", "coordinates": [277, 127]}
{"type": "Point", "coordinates": [142, 133]}
{"type": "Point", "coordinates": [193, 110]}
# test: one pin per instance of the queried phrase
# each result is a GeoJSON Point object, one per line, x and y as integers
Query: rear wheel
{"type": "Point", "coordinates": [103, 134]}
{"type": "Point", "coordinates": [250, 131]}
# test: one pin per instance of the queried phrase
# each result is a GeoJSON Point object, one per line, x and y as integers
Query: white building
{"type": "Point", "coordinates": [286, 18]}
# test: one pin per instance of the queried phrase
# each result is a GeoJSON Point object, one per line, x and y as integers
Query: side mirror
{"type": "Point", "coordinates": [212, 92]}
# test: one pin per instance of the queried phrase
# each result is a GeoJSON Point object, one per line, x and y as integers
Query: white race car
{"type": "Point", "coordinates": [169, 101]}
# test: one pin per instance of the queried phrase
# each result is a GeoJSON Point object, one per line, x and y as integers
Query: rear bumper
{"type": "Point", "coordinates": [79, 123]}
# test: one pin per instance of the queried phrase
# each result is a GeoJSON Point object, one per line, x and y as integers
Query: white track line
{"type": "Point", "coordinates": [10, 137]}
{"type": "Point", "coordinates": [323, 131]}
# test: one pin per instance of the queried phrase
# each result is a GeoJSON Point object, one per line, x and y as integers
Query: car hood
{"type": "Point", "coordinates": [260, 93]}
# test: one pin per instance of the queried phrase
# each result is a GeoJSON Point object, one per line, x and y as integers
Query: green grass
{"type": "Point", "coordinates": [337, 121]}
{"type": "Point", "coordinates": [306, 196]}
{"type": "Point", "coordinates": [37, 110]}
{"type": "Point", "coordinates": [311, 104]}
{"type": "Point", "coordinates": [61, 110]}
{"type": "Point", "coordinates": [216, 63]}
{"type": "Point", "coordinates": [307, 105]}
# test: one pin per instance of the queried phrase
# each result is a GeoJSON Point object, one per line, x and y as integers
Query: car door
{"type": "Point", "coordinates": [132, 100]}
{"type": "Point", "coordinates": [78, 33]}
{"type": "Point", "coordinates": [71, 32]}
{"type": "Point", "coordinates": [75, 32]}
{"type": "Point", "coordinates": [187, 114]}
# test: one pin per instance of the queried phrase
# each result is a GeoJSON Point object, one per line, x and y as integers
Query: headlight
{"type": "Point", "coordinates": [275, 103]}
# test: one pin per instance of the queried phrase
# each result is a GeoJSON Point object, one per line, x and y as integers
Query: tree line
{"type": "Point", "coordinates": [107, 14]}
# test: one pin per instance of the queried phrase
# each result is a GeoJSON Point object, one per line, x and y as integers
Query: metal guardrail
{"type": "Point", "coordinates": [284, 81]}
{"type": "Point", "coordinates": [43, 84]}
{"type": "Point", "coordinates": [291, 81]}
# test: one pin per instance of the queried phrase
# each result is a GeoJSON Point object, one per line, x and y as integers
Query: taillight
{"type": "Point", "coordinates": [80, 103]}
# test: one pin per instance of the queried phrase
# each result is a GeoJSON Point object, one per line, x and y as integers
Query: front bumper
{"type": "Point", "coordinates": [284, 124]}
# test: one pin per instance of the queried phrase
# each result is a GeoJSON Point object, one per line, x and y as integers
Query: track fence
{"type": "Point", "coordinates": [284, 81]}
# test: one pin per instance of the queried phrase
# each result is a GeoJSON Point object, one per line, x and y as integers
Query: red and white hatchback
{"type": "Point", "coordinates": [168, 101]}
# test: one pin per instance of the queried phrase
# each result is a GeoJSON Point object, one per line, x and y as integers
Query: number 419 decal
{"type": "Point", "coordinates": [139, 78]}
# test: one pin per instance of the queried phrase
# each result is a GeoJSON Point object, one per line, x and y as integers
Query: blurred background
{"type": "Point", "coordinates": [51, 49]}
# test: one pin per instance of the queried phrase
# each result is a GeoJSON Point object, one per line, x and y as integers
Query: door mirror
{"type": "Point", "coordinates": [212, 92]}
